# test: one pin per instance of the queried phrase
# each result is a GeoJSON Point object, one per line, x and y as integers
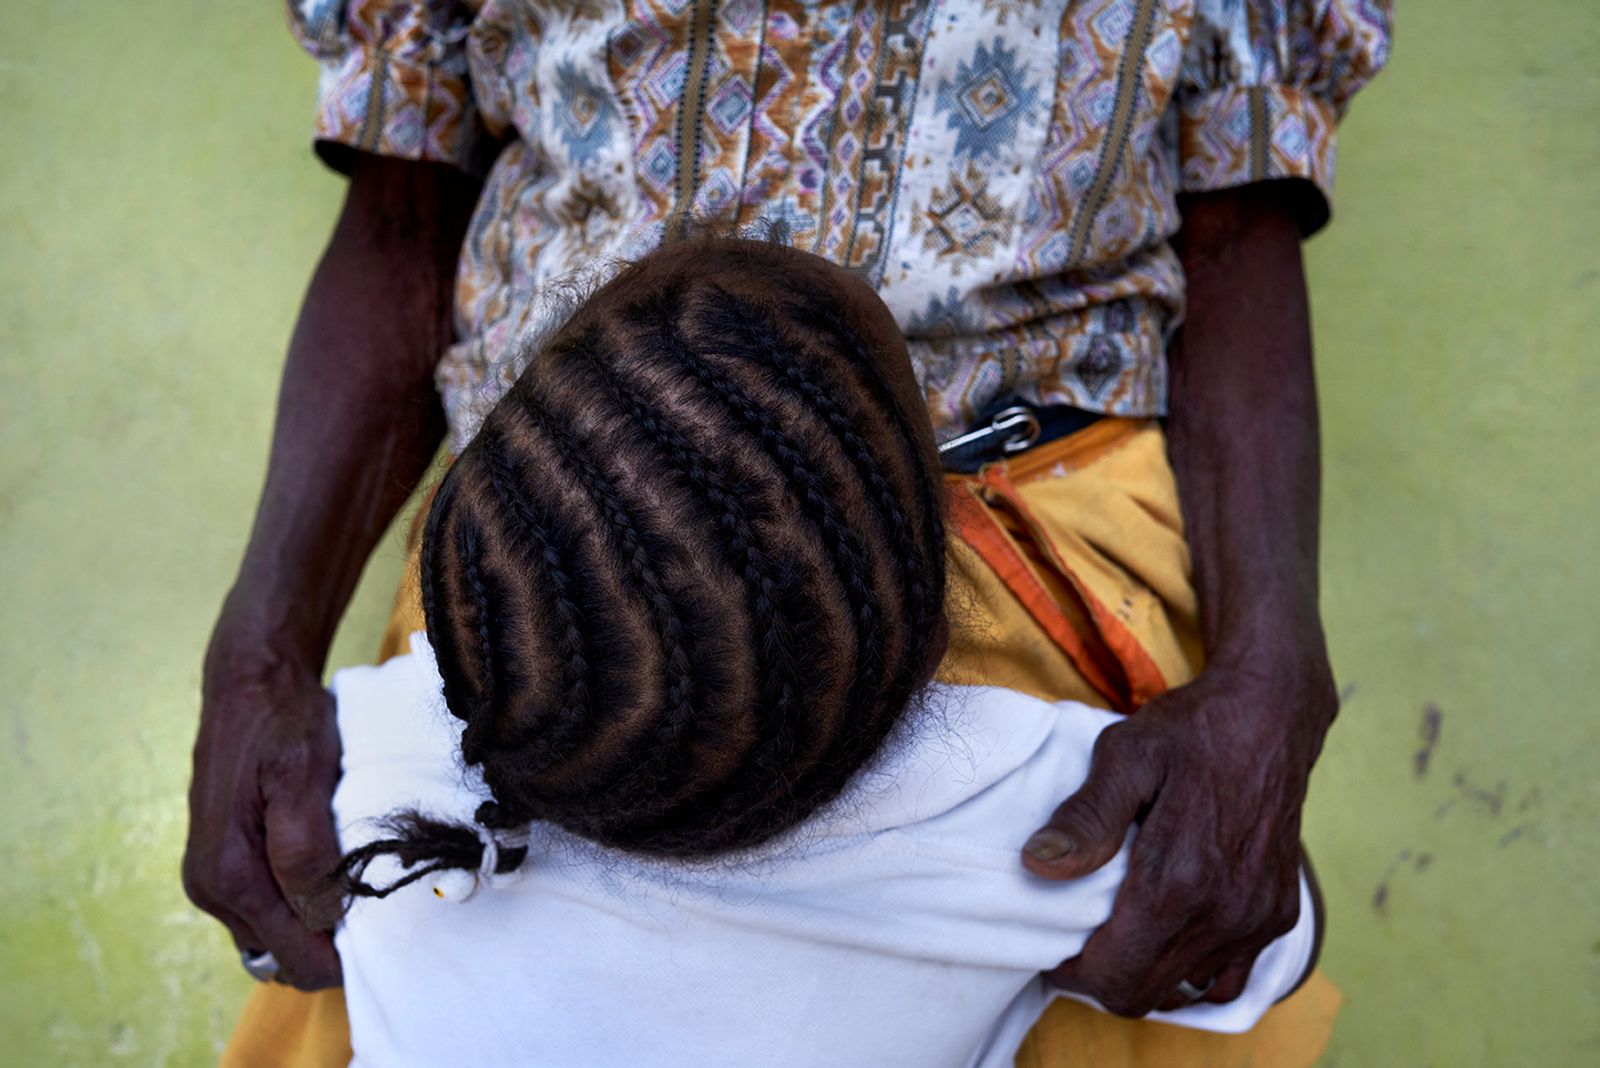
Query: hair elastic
{"type": "Point", "coordinates": [458, 884]}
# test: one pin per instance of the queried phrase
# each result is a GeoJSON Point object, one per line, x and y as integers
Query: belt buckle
{"type": "Point", "coordinates": [1024, 425]}
{"type": "Point", "coordinates": [1018, 426]}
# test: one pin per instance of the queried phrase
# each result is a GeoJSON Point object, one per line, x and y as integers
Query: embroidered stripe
{"type": "Point", "coordinates": [1129, 77]}
{"type": "Point", "coordinates": [372, 125]}
{"type": "Point", "coordinates": [691, 107]}
{"type": "Point", "coordinates": [742, 210]}
{"type": "Point", "coordinates": [1259, 134]}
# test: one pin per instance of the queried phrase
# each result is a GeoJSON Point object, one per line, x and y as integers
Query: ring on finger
{"type": "Point", "coordinates": [1189, 992]}
{"type": "Point", "coordinates": [261, 964]}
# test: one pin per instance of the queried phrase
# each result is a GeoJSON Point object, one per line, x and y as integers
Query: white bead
{"type": "Point", "coordinates": [454, 885]}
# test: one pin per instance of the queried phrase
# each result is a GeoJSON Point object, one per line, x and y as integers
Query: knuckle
{"type": "Point", "coordinates": [197, 883]}
{"type": "Point", "coordinates": [1127, 760]}
{"type": "Point", "coordinates": [292, 853]}
{"type": "Point", "coordinates": [1254, 919]}
{"type": "Point", "coordinates": [209, 882]}
{"type": "Point", "coordinates": [236, 888]}
{"type": "Point", "coordinates": [1083, 813]}
{"type": "Point", "coordinates": [1283, 919]}
{"type": "Point", "coordinates": [236, 881]}
{"type": "Point", "coordinates": [302, 865]}
{"type": "Point", "coordinates": [1187, 878]}
{"type": "Point", "coordinates": [1119, 744]}
{"type": "Point", "coordinates": [1126, 1001]}
{"type": "Point", "coordinates": [1236, 918]}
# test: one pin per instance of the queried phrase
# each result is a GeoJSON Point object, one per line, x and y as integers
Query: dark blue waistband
{"type": "Point", "coordinates": [1009, 429]}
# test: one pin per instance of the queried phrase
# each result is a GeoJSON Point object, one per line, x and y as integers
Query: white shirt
{"type": "Point", "coordinates": [897, 926]}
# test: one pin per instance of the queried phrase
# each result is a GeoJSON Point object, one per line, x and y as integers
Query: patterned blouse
{"type": "Point", "coordinates": [1004, 172]}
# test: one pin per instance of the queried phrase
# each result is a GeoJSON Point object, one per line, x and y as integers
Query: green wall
{"type": "Point", "coordinates": [1458, 322]}
{"type": "Point", "coordinates": [159, 214]}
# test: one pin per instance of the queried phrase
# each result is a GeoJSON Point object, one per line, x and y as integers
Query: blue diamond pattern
{"type": "Point", "coordinates": [584, 114]}
{"type": "Point", "coordinates": [984, 101]}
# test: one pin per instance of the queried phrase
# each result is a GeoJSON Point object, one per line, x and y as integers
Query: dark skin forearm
{"type": "Point", "coordinates": [358, 416]}
{"type": "Point", "coordinates": [1215, 772]}
{"type": "Point", "coordinates": [1243, 433]}
{"type": "Point", "coordinates": [358, 422]}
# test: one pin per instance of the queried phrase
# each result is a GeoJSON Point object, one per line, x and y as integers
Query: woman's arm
{"type": "Point", "coordinates": [1216, 771]}
{"type": "Point", "coordinates": [357, 425]}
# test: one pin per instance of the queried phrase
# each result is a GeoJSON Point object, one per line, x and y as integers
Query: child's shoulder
{"type": "Point", "coordinates": [398, 704]}
{"type": "Point", "coordinates": [965, 751]}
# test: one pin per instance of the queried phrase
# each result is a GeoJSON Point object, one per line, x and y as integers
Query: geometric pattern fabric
{"type": "Point", "coordinates": [1003, 172]}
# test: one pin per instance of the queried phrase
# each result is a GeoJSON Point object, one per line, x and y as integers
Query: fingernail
{"type": "Point", "coordinates": [1048, 843]}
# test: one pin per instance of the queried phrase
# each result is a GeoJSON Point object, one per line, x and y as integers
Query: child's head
{"type": "Point", "coordinates": [691, 571]}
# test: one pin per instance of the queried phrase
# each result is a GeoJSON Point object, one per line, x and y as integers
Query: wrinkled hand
{"type": "Point", "coordinates": [1215, 775]}
{"type": "Point", "coordinates": [261, 833]}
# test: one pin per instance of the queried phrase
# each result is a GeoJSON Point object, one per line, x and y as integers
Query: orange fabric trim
{"type": "Point", "coordinates": [1144, 677]}
{"type": "Point", "coordinates": [1073, 451]}
{"type": "Point", "coordinates": [975, 525]}
{"type": "Point", "coordinates": [996, 485]}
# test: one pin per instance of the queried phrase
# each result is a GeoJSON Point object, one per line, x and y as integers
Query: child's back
{"type": "Point", "coordinates": [895, 927]}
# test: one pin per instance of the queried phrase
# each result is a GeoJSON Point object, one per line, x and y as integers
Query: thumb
{"type": "Point", "coordinates": [1089, 827]}
{"type": "Point", "coordinates": [302, 844]}
{"type": "Point", "coordinates": [302, 848]}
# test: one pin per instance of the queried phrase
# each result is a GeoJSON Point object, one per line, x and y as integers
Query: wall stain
{"type": "Point", "coordinates": [1380, 895]}
{"type": "Point", "coordinates": [1428, 730]}
{"type": "Point", "coordinates": [1493, 800]}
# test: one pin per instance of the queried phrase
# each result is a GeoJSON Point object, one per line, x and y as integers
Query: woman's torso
{"type": "Point", "coordinates": [1002, 173]}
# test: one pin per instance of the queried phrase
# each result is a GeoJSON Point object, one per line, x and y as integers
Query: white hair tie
{"type": "Point", "coordinates": [458, 884]}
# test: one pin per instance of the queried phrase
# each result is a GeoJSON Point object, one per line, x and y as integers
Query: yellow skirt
{"type": "Point", "coordinates": [1069, 579]}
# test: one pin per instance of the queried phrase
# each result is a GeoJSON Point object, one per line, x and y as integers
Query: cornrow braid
{"type": "Point", "coordinates": [739, 329]}
{"type": "Point", "coordinates": [469, 545]}
{"type": "Point", "coordinates": [536, 532]}
{"type": "Point", "coordinates": [440, 637]}
{"type": "Point", "coordinates": [690, 573]}
{"type": "Point", "coordinates": [850, 562]}
{"type": "Point", "coordinates": [780, 672]}
{"type": "Point", "coordinates": [623, 531]}
{"type": "Point", "coordinates": [815, 311]}
{"type": "Point", "coordinates": [776, 352]}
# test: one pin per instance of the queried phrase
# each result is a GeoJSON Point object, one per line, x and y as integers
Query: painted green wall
{"type": "Point", "coordinates": [1458, 322]}
{"type": "Point", "coordinates": [159, 214]}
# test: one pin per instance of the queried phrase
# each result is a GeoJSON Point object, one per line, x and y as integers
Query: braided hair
{"type": "Point", "coordinates": [690, 574]}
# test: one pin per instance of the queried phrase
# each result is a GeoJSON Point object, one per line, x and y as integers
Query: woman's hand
{"type": "Point", "coordinates": [261, 833]}
{"type": "Point", "coordinates": [1215, 774]}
